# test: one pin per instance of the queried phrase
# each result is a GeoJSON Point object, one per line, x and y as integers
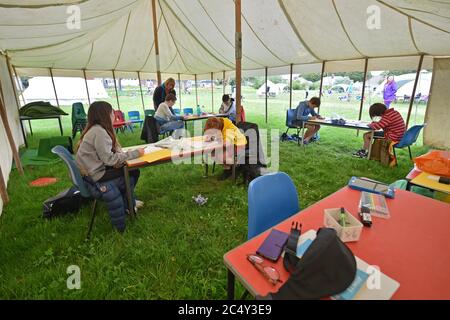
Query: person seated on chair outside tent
{"type": "Point", "coordinates": [100, 160]}
{"type": "Point", "coordinates": [223, 130]}
{"type": "Point", "coordinates": [305, 111]}
{"type": "Point", "coordinates": [160, 93]}
{"type": "Point", "coordinates": [228, 107]}
{"type": "Point", "coordinates": [391, 122]}
{"type": "Point", "coordinates": [167, 120]}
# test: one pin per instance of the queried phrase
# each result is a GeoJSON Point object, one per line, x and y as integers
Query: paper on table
{"type": "Point", "coordinates": [151, 148]}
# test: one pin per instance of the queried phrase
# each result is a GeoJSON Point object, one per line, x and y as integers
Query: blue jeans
{"type": "Point", "coordinates": [172, 125]}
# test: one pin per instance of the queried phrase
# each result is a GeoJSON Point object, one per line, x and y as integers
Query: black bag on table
{"type": "Point", "coordinates": [328, 267]}
{"type": "Point", "coordinates": [67, 201]}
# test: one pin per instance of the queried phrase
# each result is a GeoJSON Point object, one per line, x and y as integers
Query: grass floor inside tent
{"type": "Point", "coordinates": [174, 250]}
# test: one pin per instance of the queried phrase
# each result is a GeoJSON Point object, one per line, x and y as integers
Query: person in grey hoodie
{"type": "Point", "coordinates": [100, 160]}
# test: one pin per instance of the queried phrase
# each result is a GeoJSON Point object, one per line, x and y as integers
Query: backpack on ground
{"type": "Point", "coordinates": [67, 201]}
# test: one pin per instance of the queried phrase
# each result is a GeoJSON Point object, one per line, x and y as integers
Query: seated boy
{"type": "Point", "coordinates": [305, 111]}
{"type": "Point", "coordinates": [391, 122]}
{"type": "Point", "coordinates": [164, 116]}
{"type": "Point", "coordinates": [222, 129]}
{"type": "Point", "coordinates": [228, 107]}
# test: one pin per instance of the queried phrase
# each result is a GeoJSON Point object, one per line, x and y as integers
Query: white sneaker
{"type": "Point", "coordinates": [139, 204]}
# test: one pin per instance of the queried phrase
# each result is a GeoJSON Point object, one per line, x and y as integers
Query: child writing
{"type": "Point", "coordinates": [222, 129]}
{"type": "Point", "coordinates": [100, 160]}
{"type": "Point", "coordinates": [391, 122]}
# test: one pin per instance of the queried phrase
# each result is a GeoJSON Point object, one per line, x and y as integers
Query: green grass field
{"type": "Point", "coordinates": [174, 250]}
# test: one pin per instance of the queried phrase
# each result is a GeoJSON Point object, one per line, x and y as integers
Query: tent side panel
{"type": "Point", "coordinates": [10, 103]}
{"type": "Point", "coordinates": [437, 131]}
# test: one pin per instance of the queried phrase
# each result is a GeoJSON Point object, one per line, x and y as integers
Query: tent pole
{"type": "Point", "coordinates": [3, 191]}
{"type": "Point", "coordinates": [179, 88]}
{"type": "Point", "coordinates": [321, 83]}
{"type": "Point", "coordinates": [8, 62]}
{"type": "Point", "coordinates": [196, 93]}
{"type": "Point", "coordinates": [155, 37]}
{"type": "Point", "coordinates": [12, 144]}
{"type": "Point", "coordinates": [266, 91]}
{"type": "Point", "coordinates": [290, 86]}
{"type": "Point", "coordinates": [238, 54]}
{"type": "Point", "coordinates": [140, 89]}
{"type": "Point", "coordinates": [363, 88]}
{"type": "Point", "coordinates": [212, 92]}
{"type": "Point", "coordinates": [413, 95]}
{"type": "Point", "coordinates": [54, 87]}
{"type": "Point", "coordinates": [87, 88]}
{"type": "Point", "coordinates": [115, 88]}
{"type": "Point", "coordinates": [223, 82]}
{"type": "Point", "coordinates": [366, 64]}
{"type": "Point", "coordinates": [19, 85]}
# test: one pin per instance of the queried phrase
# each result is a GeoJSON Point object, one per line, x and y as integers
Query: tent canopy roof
{"type": "Point", "coordinates": [197, 36]}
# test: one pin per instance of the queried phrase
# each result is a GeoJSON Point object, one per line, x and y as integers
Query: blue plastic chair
{"type": "Point", "coordinates": [408, 139]}
{"type": "Point", "coordinates": [177, 111]}
{"type": "Point", "coordinates": [188, 111]}
{"type": "Point", "coordinates": [291, 116]}
{"type": "Point", "coordinates": [77, 180]}
{"type": "Point", "coordinates": [135, 117]}
{"type": "Point", "coordinates": [272, 198]}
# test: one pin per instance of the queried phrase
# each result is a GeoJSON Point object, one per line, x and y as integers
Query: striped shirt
{"type": "Point", "coordinates": [392, 124]}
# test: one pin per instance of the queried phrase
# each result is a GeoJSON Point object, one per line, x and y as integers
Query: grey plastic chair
{"type": "Point", "coordinates": [77, 181]}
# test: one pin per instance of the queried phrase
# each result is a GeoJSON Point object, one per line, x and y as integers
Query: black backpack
{"type": "Point", "coordinates": [68, 201]}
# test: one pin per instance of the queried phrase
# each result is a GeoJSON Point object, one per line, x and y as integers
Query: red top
{"type": "Point", "coordinates": [392, 123]}
{"type": "Point", "coordinates": [412, 247]}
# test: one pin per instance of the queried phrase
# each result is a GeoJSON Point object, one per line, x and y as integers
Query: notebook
{"type": "Point", "coordinates": [273, 245]}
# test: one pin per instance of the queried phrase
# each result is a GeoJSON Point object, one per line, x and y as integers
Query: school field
{"type": "Point", "coordinates": [174, 250]}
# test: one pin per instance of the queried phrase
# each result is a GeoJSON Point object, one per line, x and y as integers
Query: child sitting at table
{"type": "Point", "coordinates": [391, 122]}
{"type": "Point", "coordinates": [164, 116]}
{"type": "Point", "coordinates": [222, 129]}
{"type": "Point", "coordinates": [100, 160]}
{"type": "Point", "coordinates": [305, 111]}
{"type": "Point", "coordinates": [228, 107]}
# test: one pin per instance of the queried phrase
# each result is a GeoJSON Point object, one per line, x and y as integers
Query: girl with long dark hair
{"type": "Point", "coordinates": [100, 160]}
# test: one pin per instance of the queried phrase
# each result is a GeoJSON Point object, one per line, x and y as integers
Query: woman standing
{"type": "Point", "coordinates": [160, 93]}
{"type": "Point", "coordinates": [390, 89]}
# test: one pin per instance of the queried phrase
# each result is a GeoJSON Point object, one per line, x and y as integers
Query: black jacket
{"type": "Point", "coordinates": [159, 96]}
{"type": "Point", "coordinates": [150, 130]}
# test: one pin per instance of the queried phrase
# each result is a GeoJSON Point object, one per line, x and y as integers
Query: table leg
{"type": "Point", "coordinates": [303, 133]}
{"type": "Point", "coordinates": [205, 161]}
{"type": "Point", "coordinates": [126, 175]}
{"type": "Point", "coordinates": [23, 133]}
{"type": "Point", "coordinates": [60, 126]}
{"type": "Point", "coordinates": [372, 133]}
{"type": "Point", "coordinates": [29, 124]}
{"type": "Point", "coordinates": [230, 285]}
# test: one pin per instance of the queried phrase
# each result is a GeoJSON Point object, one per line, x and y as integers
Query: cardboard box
{"type": "Point", "coordinates": [352, 229]}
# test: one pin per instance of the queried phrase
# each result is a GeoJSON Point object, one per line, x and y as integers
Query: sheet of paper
{"type": "Point", "coordinates": [151, 148]}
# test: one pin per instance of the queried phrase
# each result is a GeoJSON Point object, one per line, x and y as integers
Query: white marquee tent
{"type": "Point", "coordinates": [69, 90]}
{"type": "Point", "coordinates": [197, 37]}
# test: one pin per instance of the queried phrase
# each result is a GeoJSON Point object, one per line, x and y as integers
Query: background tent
{"type": "Point", "coordinates": [69, 90]}
{"type": "Point", "coordinates": [273, 89]}
{"type": "Point", "coordinates": [423, 89]}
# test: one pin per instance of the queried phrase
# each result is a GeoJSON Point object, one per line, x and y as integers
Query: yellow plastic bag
{"type": "Point", "coordinates": [435, 162]}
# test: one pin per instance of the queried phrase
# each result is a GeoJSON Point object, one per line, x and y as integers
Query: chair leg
{"type": "Point", "coordinates": [410, 155]}
{"type": "Point", "coordinates": [94, 207]}
{"type": "Point", "coordinates": [214, 167]}
{"type": "Point", "coordinates": [395, 157]}
{"type": "Point", "coordinates": [287, 130]}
